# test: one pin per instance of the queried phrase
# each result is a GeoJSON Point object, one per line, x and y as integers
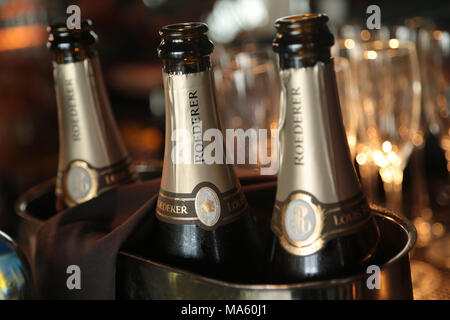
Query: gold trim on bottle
{"type": "Point", "coordinates": [313, 242]}
{"type": "Point", "coordinates": [81, 182]}
{"type": "Point", "coordinates": [326, 221]}
{"type": "Point", "coordinates": [77, 187]}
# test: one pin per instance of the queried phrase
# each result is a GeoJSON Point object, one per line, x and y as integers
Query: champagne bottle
{"type": "Point", "coordinates": [92, 155]}
{"type": "Point", "coordinates": [322, 224]}
{"type": "Point", "coordinates": [203, 224]}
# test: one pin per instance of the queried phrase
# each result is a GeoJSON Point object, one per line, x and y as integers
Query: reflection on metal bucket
{"type": "Point", "coordinates": [15, 279]}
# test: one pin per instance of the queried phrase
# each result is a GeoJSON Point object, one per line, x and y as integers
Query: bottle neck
{"type": "Point", "coordinates": [92, 156]}
{"type": "Point", "coordinates": [72, 45]}
{"type": "Point", "coordinates": [288, 60]}
{"type": "Point", "coordinates": [190, 112]}
{"type": "Point", "coordinates": [185, 48]}
{"type": "Point", "coordinates": [87, 128]}
{"type": "Point", "coordinates": [74, 53]}
{"type": "Point", "coordinates": [187, 65]}
{"type": "Point", "coordinates": [319, 197]}
{"type": "Point", "coordinates": [303, 40]}
{"type": "Point", "coordinates": [315, 157]}
{"type": "Point", "coordinates": [197, 186]}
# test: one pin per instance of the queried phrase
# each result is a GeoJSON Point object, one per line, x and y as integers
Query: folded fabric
{"type": "Point", "coordinates": [76, 250]}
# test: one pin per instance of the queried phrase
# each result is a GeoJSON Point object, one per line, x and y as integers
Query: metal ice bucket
{"type": "Point", "coordinates": [141, 278]}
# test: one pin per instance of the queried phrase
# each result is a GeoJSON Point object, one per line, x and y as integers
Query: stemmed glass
{"type": "Point", "coordinates": [351, 114]}
{"type": "Point", "coordinates": [348, 100]}
{"type": "Point", "coordinates": [345, 47]}
{"type": "Point", "coordinates": [390, 92]}
{"type": "Point", "coordinates": [248, 93]}
{"type": "Point", "coordinates": [435, 46]}
{"type": "Point", "coordinates": [419, 194]}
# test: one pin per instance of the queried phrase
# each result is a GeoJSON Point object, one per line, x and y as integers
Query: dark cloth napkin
{"type": "Point", "coordinates": [90, 236]}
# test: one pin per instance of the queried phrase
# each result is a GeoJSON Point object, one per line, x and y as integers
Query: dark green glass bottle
{"type": "Point", "coordinates": [92, 155]}
{"type": "Point", "coordinates": [203, 223]}
{"type": "Point", "coordinates": [322, 224]}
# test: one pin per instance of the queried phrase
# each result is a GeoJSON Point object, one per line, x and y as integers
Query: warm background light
{"type": "Point", "coordinates": [21, 37]}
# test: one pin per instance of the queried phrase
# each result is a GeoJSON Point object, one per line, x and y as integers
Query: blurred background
{"type": "Point", "coordinates": [394, 86]}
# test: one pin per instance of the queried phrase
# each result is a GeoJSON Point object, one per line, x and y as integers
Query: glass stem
{"type": "Point", "coordinates": [420, 198]}
{"type": "Point", "coordinates": [369, 181]}
{"type": "Point", "coordinates": [392, 184]}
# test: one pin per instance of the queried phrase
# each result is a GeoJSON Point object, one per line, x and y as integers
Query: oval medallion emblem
{"type": "Point", "coordinates": [207, 206]}
{"type": "Point", "coordinates": [79, 183]}
{"type": "Point", "coordinates": [300, 221]}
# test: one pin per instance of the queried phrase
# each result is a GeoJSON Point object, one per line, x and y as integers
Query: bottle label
{"type": "Point", "coordinates": [316, 178]}
{"type": "Point", "coordinates": [92, 155]}
{"type": "Point", "coordinates": [205, 206]}
{"type": "Point", "coordinates": [304, 225]}
{"type": "Point", "coordinates": [81, 182]}
{"type": "Point", "coordinates": [192, 190]}
{"type": "Point", "coordinates": [87, 128]}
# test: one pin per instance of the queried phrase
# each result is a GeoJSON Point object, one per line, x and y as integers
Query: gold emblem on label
{"type": "Point", "coordinates": [207, 206]}
{"type": "Point", "coordinates": [81, 182]}
{"type": "Point", "coordinates": [302, 223]}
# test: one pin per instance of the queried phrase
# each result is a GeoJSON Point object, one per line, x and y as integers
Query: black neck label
{"type": "Point", "coordinates": [304, 225]}
{"type": "Point", "coordinates": [81, 182]}
{"type": "Point", "coordinates": [205, 206]}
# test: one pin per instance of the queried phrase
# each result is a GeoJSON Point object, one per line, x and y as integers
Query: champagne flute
{"type": "Point", "coordinates": [345, 47]}
{"type": "Point", "coordinates": [435, 45]}
{"type": "Point", "coordinates": [247, 88]}
{"type": "Point", "coordinates": [347, 99]}
{"type": "Point", "coordinates": [410, 32]}
{"type": "Point", "coordinates": [390, 90]}
{"type": "Point", "coordinates": [345, 79]}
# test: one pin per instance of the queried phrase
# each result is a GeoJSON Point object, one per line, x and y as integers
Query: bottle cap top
{"type": "Point", "coordinates": [184, 40]}
{"type": "Point", "coordinates": [302, 21]}
{"type": "Point", "coordinates": [61, 37]}
{"type": "Point", "coordinates": [184, 30]}
{"type": "Point", "coordinates": [304, 38]}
